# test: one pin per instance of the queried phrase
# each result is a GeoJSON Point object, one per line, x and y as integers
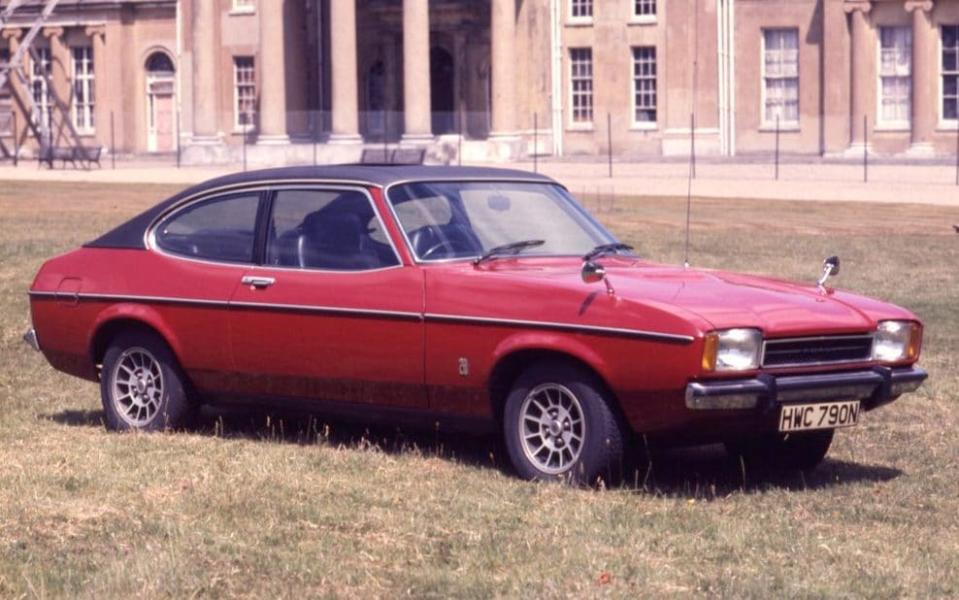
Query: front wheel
{"type": "Point", "coordinates": [781, 451]}
{"type": "Point", "coordinates": [559, 424]}
{"type": "Point", "coordinates": [142, 386]}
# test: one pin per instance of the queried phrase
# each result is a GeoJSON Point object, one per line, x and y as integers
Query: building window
{"type": "Point", "coordinates": [644, 85]}
{"type": "Point", "coordinates": [40, 73]}
{"type": "Point", "coordinates": [950, 72]}
{"type": "Point", "coordinates": [644, 9]}
{"type": "Point", "coordinates": [895, 75]}
{"type": "Point", "coordinates": [244, 86]}
{"type": "Point", "coordinates": [581, 10]}
{"type": "Point", "coordinates": [244, 6]}
{"type": "Point", "coordinates": [781, 77]}
{"type": "Point", "coordinates": [581, 84]}
{"type": "Point", "coordinates": [83, 94]}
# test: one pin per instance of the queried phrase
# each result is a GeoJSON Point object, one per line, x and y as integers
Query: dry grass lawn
{"type": "Point", "coordinates": [260, 505]}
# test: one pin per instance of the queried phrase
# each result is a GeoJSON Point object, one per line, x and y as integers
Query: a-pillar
{"type": "Point", "coordinates": [923, 77]}
{"type": "Point", "coordinates": [346, 119]}
{"type": "Point", "coordinates": [862, 52]}
{"type": "Point", "coordinates": [416, 72]}
{"type": "Point", "coordinates": [503, 26]}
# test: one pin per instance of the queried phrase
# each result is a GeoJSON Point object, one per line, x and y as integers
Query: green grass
{"type": "Point", "coordinates": [256, 505]}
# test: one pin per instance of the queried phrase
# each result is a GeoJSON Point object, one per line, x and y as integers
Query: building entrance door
{"type": "Point", "coordinates": [161, 104]}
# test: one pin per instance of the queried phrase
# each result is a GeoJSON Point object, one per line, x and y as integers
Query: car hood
{"type": "Point", "coordinates": [704, 298]}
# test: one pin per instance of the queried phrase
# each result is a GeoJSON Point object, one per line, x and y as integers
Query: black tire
{"type": "Point", "coordinates": [601, 451]}
{"type": "Point", "coordinates": [783, 452]}
{"type": "Point", "coordinates": [163, 402]}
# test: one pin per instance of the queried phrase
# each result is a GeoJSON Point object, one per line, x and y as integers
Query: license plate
{"type": "Point", "coordinates": [829, 415]}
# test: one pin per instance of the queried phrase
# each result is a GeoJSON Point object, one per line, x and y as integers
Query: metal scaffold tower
{"type": "Point", "coordinates": [51, 125]}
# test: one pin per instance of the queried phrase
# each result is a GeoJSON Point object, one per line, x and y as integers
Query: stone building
{"type": "Point", "coordinates": [493, 79]}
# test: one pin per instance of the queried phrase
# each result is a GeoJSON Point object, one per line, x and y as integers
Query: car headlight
{"type": "Point", "coordinates": [732, 350]}
{"type": "Point", "coordinates": [896, 341]}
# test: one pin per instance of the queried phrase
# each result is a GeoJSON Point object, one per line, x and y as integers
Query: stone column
{"type": "Point", "coordinates": [272, 75]}
{"type": "Point", "coordinates": [861, 82]}
{"type": "Point", "coordinates": [346, 120]}
{"type": "Point", "coordinates": [924, 77]}
{"type": "Point", "coordinates": [503, 31]}
{"type": "Point", "coordinates": [205, 118]}
{"type": "Point", "coordinates": [416, 72]}
{"type": "Point", "coordinates": [101, 112]}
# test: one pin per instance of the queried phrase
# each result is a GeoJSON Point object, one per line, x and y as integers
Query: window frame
{"type": "Point", "coordinates": [44, 103]}
{"type": "Point", "coordinates": [238, 124]}
{"type": "Point", "coordinates": [154, 244]}
{"type": "Point", "coordinates": [572, 123]}
{"type": "Point", "coordinates": [574, 19]}
{"type": "Point", "coordinates": [87, 82]}
{"type": "Point", "coordinates": [944, 123]}
{"type": "Point", "coordinates": [881, 123]}
{"type": "Point", "coordinates": [634, 80]}
{"type": "Point", "coordinates": [265, 217]}
{"type": "Point", "coordinates": [764, 123]}
{"type": "Point", "coordinates": [637, 17]}
{"type": "Point", "coordinates": [242, 7]}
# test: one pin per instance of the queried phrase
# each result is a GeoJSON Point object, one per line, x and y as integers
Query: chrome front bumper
{"type": "Point", "coordinates": [30, 338]}
{"type": "Point", "coordinates": [875, 387]}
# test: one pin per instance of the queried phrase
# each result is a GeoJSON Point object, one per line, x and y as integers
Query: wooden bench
{"type": "Point", "coordinates": [83, 154]}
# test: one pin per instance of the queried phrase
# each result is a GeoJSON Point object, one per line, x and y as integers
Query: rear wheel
{"type": "Point", "coordinates": [781, 451]}
{"type": "Point", "coordinates": [558, 424]}
{"type": "Point", "coordinates": [142, 386]}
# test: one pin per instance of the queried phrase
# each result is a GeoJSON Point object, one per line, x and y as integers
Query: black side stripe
{"type": "Point", "coordinates": [667, 338]}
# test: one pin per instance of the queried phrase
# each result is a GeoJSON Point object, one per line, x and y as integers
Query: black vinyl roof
{"type": "Point", "coordinates": [131, 234]}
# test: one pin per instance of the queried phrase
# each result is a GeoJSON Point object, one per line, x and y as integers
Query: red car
{"type": "Point", "coordinates": [480, 297]}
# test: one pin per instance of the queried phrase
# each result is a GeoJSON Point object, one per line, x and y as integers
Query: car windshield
{"type": "Point", "coordinates": [451, 220]}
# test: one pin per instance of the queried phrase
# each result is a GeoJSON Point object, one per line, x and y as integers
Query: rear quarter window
{"type": "Point", "coordinates": [220, 229]}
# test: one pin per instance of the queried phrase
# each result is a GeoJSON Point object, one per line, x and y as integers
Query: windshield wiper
{"type": "Point", "coordinates": [514, 248]}
{"type": "Point", "coordinates": [606, 249]}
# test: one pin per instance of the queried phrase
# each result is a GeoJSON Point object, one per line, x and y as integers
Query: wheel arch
{"type": "Point", "coordinates": [117, 319]}
{"type": "Point", "coordinates": [517, 357]}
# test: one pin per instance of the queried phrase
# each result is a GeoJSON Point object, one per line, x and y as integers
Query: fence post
{"type": "Point", "coordinates": [865, 149]}
{"type": "Point", "coordinates": [113, 144]}
{"type": "Point", "coordinates": [315, 131]}
{"type": "Point", "coordinates": [178, 138]}
{"type": "Point", "coordinates": [957, 156]}
{"type": "Point", "coordinates": [535, 142]}
{"type": "Point", "coordinates": [16, 139]}
{"type": "Point", "coordinates": [243, 133]}
{"type": "Point", "coordinates": [459, 143]}
{"type": "Point", "coordinates": [777, 147]}
{"type": "Point", "coordinates": [609, 141]}
{"type": "Point", "coordinates": [386, 143]}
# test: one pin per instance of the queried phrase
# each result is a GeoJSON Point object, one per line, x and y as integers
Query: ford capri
{"type": "Point", "coordinates": [482, 298]}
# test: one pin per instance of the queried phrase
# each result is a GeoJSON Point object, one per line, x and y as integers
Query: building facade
{"type": "Point", "coordinates": [283, 80]}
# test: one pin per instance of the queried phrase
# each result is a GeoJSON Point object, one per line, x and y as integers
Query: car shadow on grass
{"type": "Point", "coordinates": [701, 472]}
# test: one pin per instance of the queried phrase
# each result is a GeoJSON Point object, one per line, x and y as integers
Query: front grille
{"type": "Point", "coordinates": [795, 352]}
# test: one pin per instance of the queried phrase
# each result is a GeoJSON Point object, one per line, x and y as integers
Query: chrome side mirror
{"type": "Point", "coordinates": [594, 273]}
{"type": "Point", "coordinates": [830, 267]}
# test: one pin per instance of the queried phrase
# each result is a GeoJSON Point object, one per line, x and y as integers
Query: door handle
{"type": "Point", "coordinates": [259, 283]}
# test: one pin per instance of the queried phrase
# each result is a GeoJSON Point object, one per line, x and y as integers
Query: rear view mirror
{"type": "Point", "coordinates": [499, 203]}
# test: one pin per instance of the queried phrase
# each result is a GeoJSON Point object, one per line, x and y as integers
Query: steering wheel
{"type": "Point", "coordinates": [436, 247]}
{"type": "Point", "coordinates": [430, 237]}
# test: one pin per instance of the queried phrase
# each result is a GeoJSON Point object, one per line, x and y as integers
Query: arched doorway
{"type": "Point", "coordinates": [161, 86]}
{"type": "Point", "coordinates": [442, 91]}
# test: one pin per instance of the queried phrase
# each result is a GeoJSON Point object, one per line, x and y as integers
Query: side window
{"type": "Point", "coordinates": [221, 229]}
{"type": "Point", "coordinates": [332, 230]}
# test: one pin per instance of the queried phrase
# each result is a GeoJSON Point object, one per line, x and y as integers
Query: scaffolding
{"type": "Point", "coordinates": [48, 120]}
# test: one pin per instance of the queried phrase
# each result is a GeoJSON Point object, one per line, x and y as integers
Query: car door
{"type": "Point", "coordinates": [200, 252]}
{"type": "Point", "coordinates": [331, 313]}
